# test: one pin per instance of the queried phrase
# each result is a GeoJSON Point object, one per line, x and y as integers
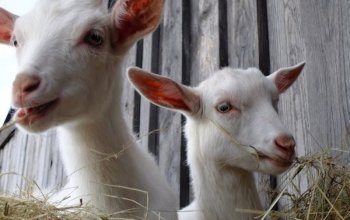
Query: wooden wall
{"type": "Point", "coordinates": [196, 38]}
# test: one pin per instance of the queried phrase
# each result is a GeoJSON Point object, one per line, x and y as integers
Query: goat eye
{"type": "Point", "coordinates": [94, 38]}
{"type": "Point", "coordinates": [224, 107]}
{"type": "Point", "coordinates": [15, 42]}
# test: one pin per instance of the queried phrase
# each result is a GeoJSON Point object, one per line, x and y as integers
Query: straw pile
{"type": "Point", "coordinates": [31, 208]}
{"type": "Point", "coordinates": [327, 189]}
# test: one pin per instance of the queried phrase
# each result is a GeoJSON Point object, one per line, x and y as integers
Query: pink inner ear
{"type": "Point", "coordinates": [6, 25]}
{"type": "Point", "coordinates": [138, 18]}
{"type": "Point", "coordinates": [162, 92]}
{"type": "Point", "coordinates": [285, 79]}
{"type": "Point", "coordinates": [5, 34]}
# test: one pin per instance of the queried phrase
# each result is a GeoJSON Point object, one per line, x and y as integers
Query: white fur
{"type": "Point", "coordinates": [221, 170]}
{"type": "Point", "coordinates": [219, 155]}
{"type": "Point", "coordinates": [105, 167]}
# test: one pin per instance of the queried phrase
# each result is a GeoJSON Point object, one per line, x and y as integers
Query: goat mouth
{"type": "Point", "coordinates": [29, 115]}
{"type": "Point", "coordinates": [279, 162]}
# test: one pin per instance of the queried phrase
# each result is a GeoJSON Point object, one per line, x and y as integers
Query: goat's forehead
{"type": "Point", "coordinates": [237, 82]}
{"type": "Point", "coordinates": [54, 14]}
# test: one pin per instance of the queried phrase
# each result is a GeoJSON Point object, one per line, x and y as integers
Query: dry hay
{"type": "Point", "coordinates": [27, 205]}
{"type": "Point", "coordinates": [32, 204]}
{"type": "Point", "coordinates": [31, 208]}
{"type": "Point", "coordinates": [24, 208]}
{"type": "Point", "coordinates": [327, 189]}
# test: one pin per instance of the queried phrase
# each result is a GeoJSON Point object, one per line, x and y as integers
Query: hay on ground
{"type": "Point", "coordinates": [31, 208]}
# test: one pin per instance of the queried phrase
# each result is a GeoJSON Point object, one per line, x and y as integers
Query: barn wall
{"type": "Point", "coordinates": [196, 38]}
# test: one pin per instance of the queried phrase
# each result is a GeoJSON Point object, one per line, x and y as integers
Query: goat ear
{"type": "Point", "coordinates": [7, 21]}
{"type": "Point", "coordinates": [164, 92]}
{"type": "Point", "coordinates": [285, 77]}
{"type": "Point", "coordinates": [135, 18]}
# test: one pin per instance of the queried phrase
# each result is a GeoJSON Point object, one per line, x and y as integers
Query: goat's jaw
{"type": "Point", "coordinates": [279, 162]}
{"type": "Point", "coordinates": [276, 164]}
{"type": "Point", "coordinates": [27, 117]}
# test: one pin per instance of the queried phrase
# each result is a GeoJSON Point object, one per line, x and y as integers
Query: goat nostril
{"type": "Point", "coordinates": [285, 142]}
{"type": "Point", "coordinates": [31, 87]}
{"type": "Point", "coordinates": [26, 83]}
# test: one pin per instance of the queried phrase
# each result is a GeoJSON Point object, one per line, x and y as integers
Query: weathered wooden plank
{"type": "Point", "coordinates": [145, 105]}
{"type": "Point", "coordinates": [316, 108]}
{"type": "Point", "coordinates": [320, 98]}
{"type": "Point", "coordinates": [12, 165]}
{"type": "Point", "coordinates": [42, 162]}
{"type": "Point", "coordinates": [128, 97]}
{"type": "Point", "coordinates": [171, 66]}
{"type": "Point", "coordinates": [204, 39]}
{"type": "Point", "coordinates": [56, 175]}
{"type": "Point", "coordinates": [12, 158]}
{"type": "Point", "coordinates": [243, 45]}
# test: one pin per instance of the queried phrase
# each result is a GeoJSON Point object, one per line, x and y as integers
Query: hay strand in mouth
{"type": "Point", "coordinates": [250, 149]}
{"type": "Point", "coordinates": [31, 208]}
{"type": "Point", "coordinates": [27, 206]}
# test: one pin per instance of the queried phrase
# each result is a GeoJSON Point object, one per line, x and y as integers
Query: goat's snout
{"type": "Point", "coordinates": [24, 85]}
{"type": "Point", "coordinates": [286, 144]}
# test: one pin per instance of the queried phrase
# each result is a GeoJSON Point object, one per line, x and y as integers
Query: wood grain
{"type": "Point", "coordinates": [316, 107]}
{"type": "Point", "coordinates": [31, 157]}
{"type": "Point", "coordinates": [204, 39]}
{"type": "Point", "coordinates": [243, 45]}
{"type": "Point", "coordinates": [171, 66]}
{"type": "Point", "coordinates": [128, 98]}
{"type": "Point", "coordinates": [145, 105]}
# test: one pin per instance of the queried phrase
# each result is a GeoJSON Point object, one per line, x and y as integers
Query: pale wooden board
{"type": "Point", "coordinates": [243, 52]}
{"type": "Point", "coordinates": [243, 45]}
{"type": "Point", "coordinates": [316, 108]}
{"type": "Point", "coordinates": [12, 158]}
{"type": "Point", "coordinates": [42, 162]}
{"type": "Point", "coordinates": [145, 105]}
{"type": "Point", "coordinates": [128, 91]}
{"type": "Point", "coordinates": [204, 39]}
{"type": "Point", "coordinates": [171, 66]}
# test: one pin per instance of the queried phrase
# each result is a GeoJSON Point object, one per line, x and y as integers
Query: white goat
{"type": "Point", "coordinates": [232, 129]}
{"type": "Point", "coordinates": [70, 54]}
